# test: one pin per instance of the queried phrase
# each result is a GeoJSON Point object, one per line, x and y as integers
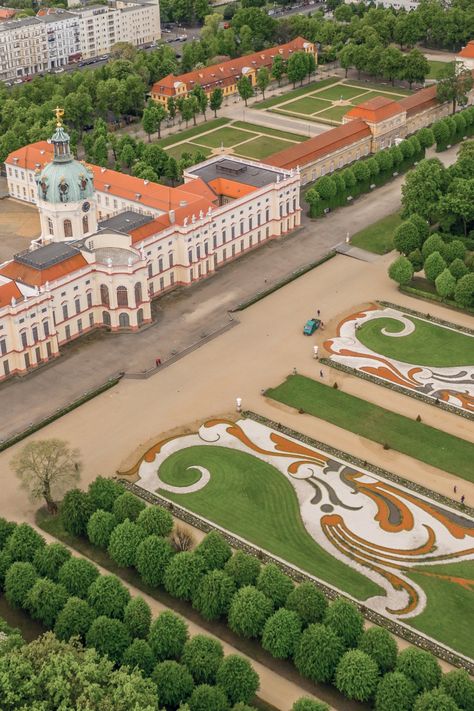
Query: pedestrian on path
{"type": "Point", "coordinates": [157, 362]}
{"type": "Point", "coordinates": [462, 498]}
{"type": "Point", "coordinates": [294, 371]}
{"type": "Point", "coordinates": [321, 374]}
{"type": "Point", "coordinates": [455, 489]}
{"type": "Point", "coordinates": [319, 313]}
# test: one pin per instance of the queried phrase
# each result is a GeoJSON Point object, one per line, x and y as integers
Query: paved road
{"type": "Point", "coordinates": [187, 315]}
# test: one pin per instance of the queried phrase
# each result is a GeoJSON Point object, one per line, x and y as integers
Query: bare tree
{"type": "Point", "coordinates": [182, 539]}
{"type": "Point", "coordinates": [47, 469]}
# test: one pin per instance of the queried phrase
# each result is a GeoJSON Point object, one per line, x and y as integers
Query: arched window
{"type": "Point", "coordinates": [104, 295]}
{"type": "Point", "coordinates": [138, 293]}
{"type": "Point", "coordinates": [124, 320]}
{"type": "Point", "coordinates": [85, 224]}
{"type": "Point", "coordinates": [122, 296]}
{"type": "Point", "coordinates": [140, 316]}
{"type": "Point", "coordinates": [106, 318]}
{"type": "Point", "coordinates": [67, 224]}
{"type": "Point", "coordinates": [50, 226]}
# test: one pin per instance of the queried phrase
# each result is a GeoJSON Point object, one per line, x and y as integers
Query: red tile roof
{"type": "Point", "coordinates": [231, 188]}
{"type": "Point", "coordinates": [319, 146]}
{"type": "Point", "coordinates": [8, 292]}
{"type": "Point", "coordinates": [226, 73]}
{"type": "Point", "coordinates": [377, 109]}
{"type": "Point", "coordinates": [37, 277]}
{"type": "Point", "coordinates": [7, 13]}
{"type": "Point", "coordinates": [419, 101]}
{"type": "Point", "coordinates": [467, 52]}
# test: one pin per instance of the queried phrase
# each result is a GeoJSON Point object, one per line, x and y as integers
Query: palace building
{"type": "Point", "coordinates": [110, 242]}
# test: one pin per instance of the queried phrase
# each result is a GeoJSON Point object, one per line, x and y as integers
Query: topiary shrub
{"type": "Point", "coordinates": [77, 575]}
{"type": "Point", "coordinates": [124, 542]}
{"type": "Point", "coordinates": [205, 698]}
{"type": "Point", "coordinates": [281, 634]}
{"type": "Point", "coordinates": [100, 527]}
{"type": "Point", "coordinates": [127, 505]}
{"type": "Point", "coordinates": [318, 653]}
{"type": "Point", "coordinates": [274, 584]}
{"type": "Point", "coordinates": [357, 675]}
{"type": "Point", "coordinates": [108, 596]}
{"type": "Point", "coordinates": [19, 580]}
{"type": "Point", "coordinates": [137, 617]}
{"type": "Point", "coordinates": [395, 691]}
{"type": "Point", "coordinates": [214, 551]}
{"type": "Point", "coordinates": [139, 654]}
{"type": "Point", "coordinates": [183, 575]}
{"type": "Point", "coordinates": [243, 568]}
{"type": "Point", "coordinates": [214, 595]}
{"type": "Point", "coordinates": [346, 621]}
{"type": "Point", "coordinates": [379, 644]}
{"type": "Point", "coordinates": [309, 602]}
{"type": "Point", "coordinates": [152, 559]}
{"type": "Point", "coordinates": [168, 635]}
{"type": "Point", "coordinates": [203, 656]}
{"type": "Point", "coordinates": [155, 521]}
{"type": "Point", "coordinates": [103, 492]}
{"type": "Point", "coordinates": [45, 601]}
{"type": "Point", "coordinates": [74, 619]}
{"type": "Point", "coordinates": [108, 636]}
{"type": "Point", "coordinates": [76, 510]}
{"type": "Point", "coordinates": [49, 559]}
{"type": "Point", "coordinates": [249, 610]}
{"type": "Point", "coordinates": [174, 683]}
{"type": "Point", "coordinates": [238, 679]}
{"type": "Point", "coordinates": [23, 543]}
{"type": "Point", "coordinates": [421, 667]}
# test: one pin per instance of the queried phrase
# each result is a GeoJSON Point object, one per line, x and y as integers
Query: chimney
{"type": "Point", "coordinates": [172, 216]}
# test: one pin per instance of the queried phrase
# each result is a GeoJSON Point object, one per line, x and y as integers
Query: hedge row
{"type": "Point", "coordinates": [453, 129]}
{"type": "Point", "coordinates": [326, 642]}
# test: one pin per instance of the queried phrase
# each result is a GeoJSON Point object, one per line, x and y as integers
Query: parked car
{"type": "Point", "coordinates": [59, 70]}
{"type": "Point", "coordinates": [311, 325]}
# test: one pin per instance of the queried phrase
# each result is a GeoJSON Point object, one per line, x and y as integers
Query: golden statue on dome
{"type": "Point", "coordinates": [59, 113]}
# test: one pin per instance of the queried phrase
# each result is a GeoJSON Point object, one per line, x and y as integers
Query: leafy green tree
{"type": "Point", "coordinates": [174, 683]}
{"type": "Point", "coordinates": [458, 269]}
{"type": "Point", "coordinates": [23, 543]}
{"type": "Point", "coordinates": [416, 259]}
{"type": "Point", "coordinates": [406, 238]}
{"type": "Point", "coordinates": [243, 568]}
{"type": "Point", "coordinates": [357, 675]}
{"type": "Point", "coordinates": [149, 121]}
{"type": "Point", "coordinates": [384, 160]}
{"type": "Point", "coordinates": [45, 601]}
{"type": "Point", "coordinates": [215, 101]}
{"type": "Point", "coordinates": [434, 243]}
{"type": "Point", "coordinates": [422, 227]}
{"type": "Point", "coordinates": [127, 155]}
{"type": "Point", "coordinates": [318, 653]}
{"type": "Point", "coordinates": [137, 617]}
{"type": "Point", "coordinates": [401, 271]}
{"type": "Point", "coordinates": [77, 575]}
{"type": "Point", "coordinates": [139, 654]}
{"type": "Point", "coordinates": [315, 202]}
{"type": "Point", "coordinates": [345, 619]}
{"type": "Point", "coordinates": [278, 68]}
{"type": "Point", "coordinates": [326, 186]}
{"type": "Point", "coordinates": [100, 527]}
{"type": "Point", "coordinates": [6, 530]}
{"type": "Point", "coordinates": [100, 151]}
{"type": "Point", "coordinates": [172, 172]}
{"type": "Point", "coordinates": [46, 469]}
{"type": "Point", "coordinates": [168, 635]}
{"type": "Point", "coordinates": [464, 292]}
{"type": "Point", "coordinates": [102, 491]}
{"type": "Point", "coordinates": [183, 575]}
{"type": "Point", "coordinates": [309, 602]}
{"type": "Point", "coordinates": [127, 505]}
{"type": "Point", "coordinates": [5, 563]}
{"type": "Point", "coordinates": [441, 133]}
{"type": "Point", "coordinates": [49, 559]}
{"type": "Point", "coordinates": [392, 64]}
{"type": "Point", "coordinates": [454, 84]}
{"type": "Point", "coordinates": [307, 704]}
{"type": "Point", "coordinates": [124, 542]}
{"type": "Point", "coordinates": [155, 521]}
{"type": "Point", "coordinates": [214, 594]}
{"type": "Point", "coordinates": [395, 691]}
{"type": "Point", "coordinates": [19, 579]}
{"type": "Point", "coordinates": [245, 88]}
{"type": "Point", "coordinates": [238, 679]}
{"type": "Point", "coordinates": [421, 667]}
{"type": "Point", "coordinates": [249, 610]}
{"type": "Point", "coordinates": [426, 137]}
{"type": "Point", "coordinates": [74, 619]}
{"type": "Point", "coordinates": [263, 80]}
{"type": "Point", "coordinates": [108, 596]}
{"type": "Point", "coordinates": [214, 551]}
{"type": "Point", "coordinates": [108, 636]}
{"type": "Point", "coordinates": [203, 656]}
{"type": "Point", "coordinates": [379, 644]}
{"type": "Point", "coordinates": [201, 98]}
{"type": "Point", "coordinates": [282, 633]}
{"type": "Point", "coordinates": [297, 67]}
{"type": "Point", "coordinates": [415, 67]}
{"type": "Point", "coordinates": [435, 700]}
{"type": "Point", "coordinates": [454, 250]}
{"type": "Point", "coordinates": [361, 171]}
{"type": "Point", "coordinates": [433, 266]}
{"type": "Point", "coordinates": [445, 284]}
{"type": "Point", "coordinates": [76, 510]}
{"type": "Point", "coordinates": [460, 687]}
{"type": "Point", "coordinates": [205, 697]}
{"type": "Point", "coordinates": [274, 584]}
{"type": "Point", "coordinates": [153, 557]}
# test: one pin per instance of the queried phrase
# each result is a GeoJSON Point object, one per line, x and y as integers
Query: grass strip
{"type": "Point", "coordinates": [306, 89]}
{"type": "Point", "coordinates": [194, 131]}
{"type": "Point", "coordinates": [415, 439]}
{"type": "Point", "coordinates": [378, 237]}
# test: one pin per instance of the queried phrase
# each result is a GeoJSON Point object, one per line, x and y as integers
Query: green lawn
{"type": "Point", "coordinates": [307, 105]}
{"type": "Point", "coordinates": [294, 93]}
{"type": "Point", "coordinates": [429, 344]}
{"type": "Point", "coordinates": [228, 136]}
{"type": "Point", "coordinates": [447, 622]}
{"type": "Point", "coordinates": [191, 132]}
{"type": "Point", "coordinates": [378, 237]}
{"type": "Point", "coordinates": [254, 500]}
{"type": "Point", "coordinates": [193, 148]}
{"type": "Point", "coordinates": [286, 135]}
{"type": "Point", "coordinates": [335, 113]}
{"type": "Point", "coordinates": [334, 93]}
{"type": "Point", "coordinates": [435, 67]}
{"type": "Point", "coordinates": [379, 88]}
{"type": "Point", "coordinates": [417, 440]}
{"type": "Point", "coordinates": [261, 147]}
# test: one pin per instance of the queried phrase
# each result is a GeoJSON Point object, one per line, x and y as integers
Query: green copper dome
{"type": "Point", "coordinates": [64, 179]}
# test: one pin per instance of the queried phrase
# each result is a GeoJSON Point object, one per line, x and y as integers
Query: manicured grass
{"type": "Point", "coordinates": [429, 344]}
{"type": "Point", "coordinates": [261, 147]}
{"type": "Point", "coordinates": [193, 148]}
{"type": "Point", "coordinates": [435, 68]}
{"type": "Point", "coordinates": [191, 132]}
{"type": "Point", "coordinates": [228, 136]}
{"type": "Point", "coordinates": [254, 500]}
{"type": "Point", "coordinates": [286, 135]}
{"type": "Point", "coordinates": [183, 477]}
{"type": "Point", "coordinates": [417, 440]}
{"type": "Point", "coordinates": [293, 94]}
{"type": "Point", "coordinates": [449, 605]}
{"type": "Point", "coordinates": [335, 113]}
{"type": "Point", "coordinates": [386, 88]}
{"type": "Point", "coordinates": [334, 93]}
{"type": "Point", "coordinates": [378, 237]}
{"type": "Point", "coordinates": [307, 105]}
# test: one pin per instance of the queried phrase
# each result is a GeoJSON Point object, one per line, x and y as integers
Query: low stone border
{"type": "Point", "coordinates": [427, 317]}
{"type": "Point", "coordinates": [398, 628]}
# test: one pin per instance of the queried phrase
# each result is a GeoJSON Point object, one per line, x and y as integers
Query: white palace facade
{"type": "Point", "coordinates": [110, 242]}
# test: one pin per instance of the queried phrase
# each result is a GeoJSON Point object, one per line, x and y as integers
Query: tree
{"type": "Point", "coordinates": [318, 653]}
{"type": "Point", "coordinates": [401, 271]}
{"type": "Point", "coordinates": [201, 98]}
{"type": "Point", "coordinates": [243, 568]}
{"type": "Point", "coordinates": [153, 557]}
{"type": "Point", "coordinates": [24, 543]}
{"type": "Point", "coordinates": [245, 88]}
{"type": "Point", "coordinates": [49, 559]}
{"type": "Point", "coordinates": [249, 610]}
{"type": "Point", "coordinates": [103, 492]}
{"type": "Point", "coordinates": [45, 601]}
{"type": "Point", "coordinates": [425, 137]}
{"type": "Point", "coordinates": [422, 227]}
{"type": "Point", "coordinates": [205, 697]}
{"type": "Point", "coordinates": [74, 619]}
{"type": "Point", "coordinates": [454, 84]}
{"type": "Point", "coordinates": [458, 269]}
{"type": "Point", "coordinates": [238, 679]}
{"type": "Point", "coordinates": [297, 67]}
{"type": "Point", "coordinates": [464, 292]}
{"type": "Point", "coordinates": [434, 243]}
{"type": "Point", "coordinates": [108, 596]}
{"type": "Point", "coordinates": [282, 633]}
{"type": "Point", "coordinates": [214, 594]}
{"type": "Point", "coordinates": [460, 687]}
{"type": "Point", "coordinates": [46, 469]}
{"type": "Point", "coordinates": [415, 67]}
{"type": "Point", "coordinates": [406, 238]}
{"type": "Point", "coordinates": [459, 201]}
{"type": "Point", "coordinates": [127, 505]}
{"type": "Point", "coordinates": [454, 250]}
{"type": "Point", "coordinates": [395, 691]}
{"type": "Point", "coordinates": [361, 171]}
{"type": "Point", "coordinates": [263, 80]}
{"type": "Point", "coordinates": [278, 68]}
{"type": "Point", "coordinates": [168, 635]}
{"type": "Point", "coordinates": [172, 172]}
{"type": "Point", "coordinates": [137, 617]}
{"type": "Point", "coordinates": [127, 155]}
{"type": "Point", "coordinates": [309, 602]}
{"type": "Point", "coordinates": [445, 284]}
{"type": "Point", "coordinates": [174, 683]}
{"type": "Point", "coordinates": [124, 542]}
{"type": "Point", "coordinates": [216, 100]}
{"type": "Point", "coordinates": [187, 110]}
{"type": "Point", "coordinates": [274, 584]}
{"type": "Point", "coordinates": [139, 654]}
{"type": "Point", "coordinates": [203, 656]}
{"type": "Point", "coordinates": [307, 704]}
{"type": "Point", "coordinates": [19, 579]}
{"type": "Point", "coordinates": [150, 120]}
{"type": "Point", "coordinates": [100, 527]}
{"type": "Point", "coordinates": [346, 621]}
{"type": "Point", "coordinates": [108, 636]}
{"type": "Point", "coordinates": [421, 667]}
{"type": "Point", "coordinates": [214, 551]}
{"type": "Point", "coordinates": [183, 575]}
{"type": "Point", "coordinates": [76, 510]}
{"type": "Point", "coordinates": [392, 64]}
{"type": "Point", "coordinates": [435, 700]}
{"type": "Point", "coordinates": [357, 675]}
{"type": "Point", "coordinates": [100, 151]}
{"type": "Point", "coordinates": [327, 188]}
{"type": "Point", "coordinates": [77, 575]}
{"type": "Point", "coordinates": [379, 644]}
{"type": "Point", "coordinates": [6, 530]}
{"type": "Point", "coordinates": [433, 266]}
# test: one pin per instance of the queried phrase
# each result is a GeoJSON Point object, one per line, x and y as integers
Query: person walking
{"type": "Point", "coordinates": [455, 489]}
{"type": "Point", "coordinates": [462, 498]}
{"type": "Point", "coordinates": [321, 374]}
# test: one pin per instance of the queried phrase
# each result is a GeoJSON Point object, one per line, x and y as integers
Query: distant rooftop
{"type": "Point", "coordinates": [14, 24]}
{"type": "Point", "coordinates": [47, 256]}
{"type": "Point", "coordinates": [125, 221]}
{"type": "Point", "coordinates": [249, 174]}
